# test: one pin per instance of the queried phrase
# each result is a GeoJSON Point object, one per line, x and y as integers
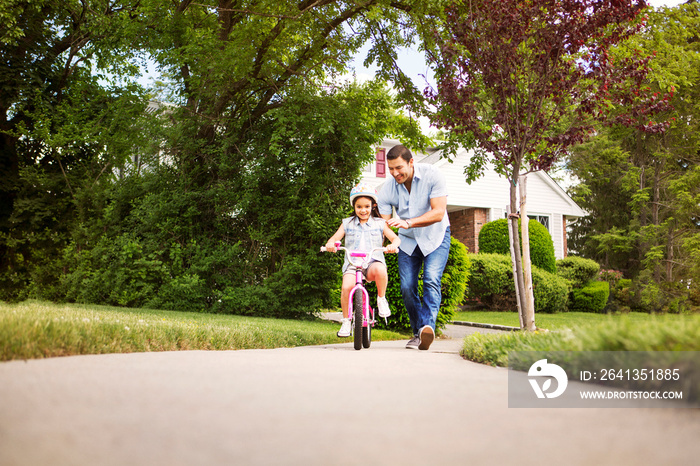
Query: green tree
{"type": "Point", "coordinates": [61, 127]}
{"type": "Point", "coordinates": [264, 146]}
{"type": "Point", "coordinates": [250, 165]}
{"type": "Point", "coordinates": [642, 189]}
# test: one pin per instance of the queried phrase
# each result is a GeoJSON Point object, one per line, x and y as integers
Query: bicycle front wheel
{"type": "Point", "coordinates": [367, 335]}
{"type": "Point", "coordinates": [357, 318]}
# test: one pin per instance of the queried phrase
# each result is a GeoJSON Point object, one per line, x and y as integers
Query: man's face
{"type": "Point", "coordinates": [401, 170]}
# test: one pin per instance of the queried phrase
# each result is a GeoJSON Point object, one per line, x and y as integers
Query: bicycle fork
{"type": "Point", "coordinates": [367, 313]}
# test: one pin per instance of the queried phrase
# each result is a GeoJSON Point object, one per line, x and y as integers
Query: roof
{"type": "Point", "coordinates": [565, 205]}
{"type": "Point", "coordinates": [491, 190]}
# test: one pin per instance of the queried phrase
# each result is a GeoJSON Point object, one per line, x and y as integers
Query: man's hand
{"type": "Point", "coordinates": [398, 223]}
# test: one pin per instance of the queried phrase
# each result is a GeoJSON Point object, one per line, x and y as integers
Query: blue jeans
{"type": "Point", "coordinates": [423, 311]}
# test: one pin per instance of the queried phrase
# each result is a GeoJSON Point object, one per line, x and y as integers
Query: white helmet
{"type": "Point", "coordinates": [362, 189]}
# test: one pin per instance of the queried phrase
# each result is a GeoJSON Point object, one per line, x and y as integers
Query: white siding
{"type": "Point", "coordinates": [489, 191]}
{"type": "Point", "coordinates": [369, 175]}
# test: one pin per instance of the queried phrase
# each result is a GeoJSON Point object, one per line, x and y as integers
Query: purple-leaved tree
{"type": "Point", "coordinates": [522, 80]}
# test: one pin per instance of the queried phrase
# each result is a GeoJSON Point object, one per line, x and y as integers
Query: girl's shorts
{"type": "Point", "coordinates": [351, 270]}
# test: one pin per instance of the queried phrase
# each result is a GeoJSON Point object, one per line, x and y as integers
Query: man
{"type": "Point", "coordinates": [418, 192]}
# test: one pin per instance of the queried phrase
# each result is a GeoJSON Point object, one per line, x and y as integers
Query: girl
{"type": "Point", "coordinates": [363, 231]}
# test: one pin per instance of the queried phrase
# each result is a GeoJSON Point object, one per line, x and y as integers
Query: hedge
{"type": "Point", "coordinates": [493, 239]}
{"type": "Point", "coordinates": [491, 281]}
{"type": "Point", "coordinates": [591, 298]}
{"type": "Point", "coordinates": [577, 270]}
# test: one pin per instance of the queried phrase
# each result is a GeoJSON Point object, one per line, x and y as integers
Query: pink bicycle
{"type": "Point", "coordinates": [360, 312]}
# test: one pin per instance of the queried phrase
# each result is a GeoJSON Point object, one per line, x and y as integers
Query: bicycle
{"type": "Point", "coordinates": [358, 300]}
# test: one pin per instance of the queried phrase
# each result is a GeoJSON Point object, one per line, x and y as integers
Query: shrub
{"type": "Point", "coordinates": [541, 247]}
{"type": "Point", "coordinates": [293, 292]}
{"type": "Point", "coordinates": [454, 285]}
{"type": "Point", "coordinates": [491, 281]}
{"type": "Point", "coordinates": [551, 292]}
{"type": "Point", "coordinates": [454, 281]}
{"type": "Point", "coordinates": [620, 296]}
{"type": "Point", "coordinates": [186, 293]}
{"type": "Point", "coordinates": [591, 298]}
{"type": "Point", "coordinates": [119, 271]}
{"type": "Point", "coordinates": [609, 275]}
{"type": "Point", "coordinates": [493, 239]}
{"type": "Point", "coordinates": [647, 295]}
{"type": "Point", "coordinates": [577, 270]}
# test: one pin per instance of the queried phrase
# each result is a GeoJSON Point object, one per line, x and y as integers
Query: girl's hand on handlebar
{"type": "Point", "coordinates": [330, 247]}
{"type": "Point", "coordinates": [391, 249]}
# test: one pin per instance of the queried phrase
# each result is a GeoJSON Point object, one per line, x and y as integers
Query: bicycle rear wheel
{"type": "Point", "coordinates": [357, 318]}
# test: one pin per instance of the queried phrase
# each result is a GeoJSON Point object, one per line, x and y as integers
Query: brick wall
{"type": "Point", "coordinates": [466, 225]}
{"type": "Point", "coordinates": [566, 248]}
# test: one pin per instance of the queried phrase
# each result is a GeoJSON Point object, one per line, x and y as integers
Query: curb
{"type": "Point", "coordinates": [335, 317]}
{"type": "Point", "coordinates": [490, 326]}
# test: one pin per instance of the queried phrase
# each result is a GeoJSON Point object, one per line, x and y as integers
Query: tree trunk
{"type": "Point", "coordinates": [527, 321]}
{"type": "Point", "coordinates": [655, 208]}
{"type": "Point", "coordinates": [516, 257]}
{"type": "Point", "coordinates": [513, 255]}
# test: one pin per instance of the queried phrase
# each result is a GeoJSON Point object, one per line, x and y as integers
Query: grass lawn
{"type": "Point", "coordinates": [36, 329]}
{"type": "Point", "coordinates": [572, 331]}
{"type": "Point", "coordinates": [571, 320]}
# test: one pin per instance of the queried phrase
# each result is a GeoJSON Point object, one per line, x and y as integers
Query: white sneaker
{"type": "Point", "coordinates": [345, 328]}
{"type": "Point", "coordinates": [383, 306]}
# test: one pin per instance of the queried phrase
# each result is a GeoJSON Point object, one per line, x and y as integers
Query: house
{"type": "Point", "coordinates": [470, 206]}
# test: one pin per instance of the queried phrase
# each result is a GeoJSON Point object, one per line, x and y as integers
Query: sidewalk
{"type": "Point", "coordinates": [325, 405]}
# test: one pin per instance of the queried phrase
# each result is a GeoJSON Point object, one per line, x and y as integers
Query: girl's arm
{"type": "Point", "coordinates": [394, 238]}
{"type": "Point", "coordinates": [330, 245]}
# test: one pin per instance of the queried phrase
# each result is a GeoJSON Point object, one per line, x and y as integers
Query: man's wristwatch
{"type": "Point", "coordinates": [408, 222]}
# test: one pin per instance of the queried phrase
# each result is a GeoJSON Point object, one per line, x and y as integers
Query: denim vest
{"type": "Point", "coordinates": [364, 237]}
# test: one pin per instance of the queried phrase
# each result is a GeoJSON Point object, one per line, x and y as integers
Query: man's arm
{"type": "Point", "coordinates": [438, 206]}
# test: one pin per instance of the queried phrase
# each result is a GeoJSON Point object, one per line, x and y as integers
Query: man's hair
{"type": "Point", "coordinates": [399, 151]}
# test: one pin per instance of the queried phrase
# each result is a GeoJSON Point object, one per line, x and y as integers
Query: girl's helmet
{"type": "Point", "coordinates": [362, 189]}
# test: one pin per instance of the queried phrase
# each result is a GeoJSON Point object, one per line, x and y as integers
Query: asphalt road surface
{"type": "Point", "coordinates": [326, 405]}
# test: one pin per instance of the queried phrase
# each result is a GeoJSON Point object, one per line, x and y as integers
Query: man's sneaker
{"type": "Point", "coordinates": [427, 335]}
{"type": "Point", "coordinates": [345, 328]}
{"type": "Point", "coordinates": [383, 306]}
{"type": "Point", "coordinates": [413, 343]}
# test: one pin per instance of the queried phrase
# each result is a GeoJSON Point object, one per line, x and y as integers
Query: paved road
{"type": "Point", "coordinates": [328, 405]}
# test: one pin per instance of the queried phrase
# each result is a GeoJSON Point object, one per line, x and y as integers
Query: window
{"type": "Point", "coordinates": [543, 219]}
{"type": "Point", "coordinates": [381, 162]}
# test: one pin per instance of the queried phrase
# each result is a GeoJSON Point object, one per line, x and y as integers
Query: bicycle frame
{"type": "Point", "coordinates": [367, 311]}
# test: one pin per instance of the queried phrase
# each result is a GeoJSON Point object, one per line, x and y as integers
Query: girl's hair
{"type": "Point", "coordinates": [375, 207]}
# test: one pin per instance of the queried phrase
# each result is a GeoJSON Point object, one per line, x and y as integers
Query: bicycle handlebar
{"type": "Point", "coordinates": [352, 256]}
{"type": "Point", "coordinates": [360, 253]}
